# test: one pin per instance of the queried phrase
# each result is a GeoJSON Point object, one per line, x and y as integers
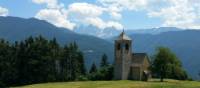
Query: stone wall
{"type": "Point", "coordinates": [123, 56]}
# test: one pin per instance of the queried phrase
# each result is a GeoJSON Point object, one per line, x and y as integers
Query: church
{"type": "Point", "coordinates": [129, 65]}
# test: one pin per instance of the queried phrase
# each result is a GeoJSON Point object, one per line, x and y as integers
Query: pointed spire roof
{"type": "Point", "coordinates": [123, 36]}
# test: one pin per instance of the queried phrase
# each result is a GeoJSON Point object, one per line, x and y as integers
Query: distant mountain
{"type": "Point", "coordinates": [14, 29]}
{"type": "Point", "coordinates": [94, 31]}
{"type": "Point", "coordinates": [185, 44]}
{"type": "Point", "coordinates": [153, 30]}
{"type": "Point", "coordinates": [111, 32]}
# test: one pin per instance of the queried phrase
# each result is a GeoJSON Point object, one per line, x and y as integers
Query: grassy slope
{"type": "Point", "coordinates": [118, 84]}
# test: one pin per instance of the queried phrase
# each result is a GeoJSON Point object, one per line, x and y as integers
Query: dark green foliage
{"type": "Point", "coordinates": [105, 72]}
{"type": "Point", "coordinates": [93, 72]}
{"type": "Point", "coordinates": [2, 85]}
{"type": "Point", "coordinates": [82, 78]}
{"type": "Point", "coordinates": [37, 60]}
{"type": "Point", "coordinates": [72, 63]}
{"type": "Point", "coordinates": [104, 61]}
{"type": "Point", "coordinates": [7, 64]}
{"type": "Point", "coordinates": [199, 73]}
{"type": "Point", "coordinates": [93, 68]}
{"type": "Point", "coordinates": [167, 65]}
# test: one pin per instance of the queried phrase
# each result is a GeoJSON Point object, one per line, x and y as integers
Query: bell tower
{"type": "Point", "coordinates": [123, 56]}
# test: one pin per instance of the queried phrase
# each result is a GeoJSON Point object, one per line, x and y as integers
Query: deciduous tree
{"type": "Point", "coordinates": [167, 65]}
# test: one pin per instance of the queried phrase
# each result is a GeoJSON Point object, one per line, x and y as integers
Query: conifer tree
{"type": "Point", "coordinates": [36, 60]}
{"type": "Point", "coordinates": [93, 68]}
{"type": "Point", "coordinates": [104, 61]}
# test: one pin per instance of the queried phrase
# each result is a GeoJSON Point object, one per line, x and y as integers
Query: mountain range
{"type": "Point", "coordinates": [15, 29]}
{"type": "Point", "coordinates": [112, 32]}
{"type": "Point", "coordinates": [94, 42]}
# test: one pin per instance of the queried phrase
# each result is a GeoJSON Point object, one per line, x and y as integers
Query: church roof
{"type": "Point", "coordinates": [123, 36]}
{"type": "Point", "coordinates": [139, 57]}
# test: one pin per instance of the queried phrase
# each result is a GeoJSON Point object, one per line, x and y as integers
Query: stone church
{"type": "Point", "coordinates": [129, 65]}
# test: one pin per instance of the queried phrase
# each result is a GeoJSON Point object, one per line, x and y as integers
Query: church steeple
{"type": "Point", "coordinates": [123, 55]}
{"type": "Point", "coordinates": [123, 36]}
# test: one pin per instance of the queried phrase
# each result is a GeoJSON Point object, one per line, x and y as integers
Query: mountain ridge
{"type": "Point", "coordinates": [111, 32]}
{"type": "Point", "coordinates": [16, 29]}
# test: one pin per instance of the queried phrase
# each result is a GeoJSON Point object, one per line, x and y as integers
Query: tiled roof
{"type": "Point", "coordinates": [138, 57]}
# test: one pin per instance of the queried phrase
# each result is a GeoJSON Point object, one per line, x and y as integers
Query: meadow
{"type": "Point", "coordinates": [118, 84]}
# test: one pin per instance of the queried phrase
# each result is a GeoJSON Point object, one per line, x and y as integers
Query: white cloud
{"type": "Point", "coordinates": [3, 11]}
{"type": "Point", "coordinates": [115, 15]}
{"type": "Point", "coordinates": [102, 25]}
{"type": "Point", "coordinates": [125, 4]}
{"type": "Point", "coordinates": [176, 13]}
{"type": "Point", "coordinates": [179, 13]}
{"type": "Point", "coordinates": [85, 9]}
{"type": "Point", "coordinates": [114, 24]}
{"type": "Point", "coordinates": [54, 13]}
{"type": "Point", "coordinates": [50, 3]}
{"type": "Point", "coordinates": [55, 17]}
{"type": "Point", "coordinates": [95, 22]}
{"type": "Point", "coordinates": [83, 13]}
{"type": "Point", "coordinates": [91, 14]}
{"type": "Point", "coordinates": [114, 12]}
{"type": "Point", "coordinates": [115, 7]}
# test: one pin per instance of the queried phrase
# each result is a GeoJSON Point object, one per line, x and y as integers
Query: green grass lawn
{"type": "Point", "coordinates": [118, 84]}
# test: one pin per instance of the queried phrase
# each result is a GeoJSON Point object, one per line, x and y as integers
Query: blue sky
{"type": "Point", "coordinates": [128, 14]}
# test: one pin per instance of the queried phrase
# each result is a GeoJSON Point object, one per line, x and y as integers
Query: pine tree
{"type": "Point", "coordinates": [199, 73]}
{"type": "Point", "coordinates": [33, 60]}
{"type": "Point", "coordinates": [104, 61]}
{"type": "Point", "coordinates": [54, 56]}
{"type": "Point", "coordinates": [93, 68]}
{"type": "Point", "coordinates": [81, 63]}
{"type": "Point", "coordinates": [65, 65]}
{"type": "Point", "coordinates": [8, 73]}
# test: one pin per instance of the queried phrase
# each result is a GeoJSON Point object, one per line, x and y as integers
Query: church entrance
{"type": "Point", "coordinates": [134, 73]}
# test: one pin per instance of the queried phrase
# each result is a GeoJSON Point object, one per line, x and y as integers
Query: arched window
{"type": "Point", "coordinates": [127, 47]}
{"type": "Point", "coordinates": [118, 46]}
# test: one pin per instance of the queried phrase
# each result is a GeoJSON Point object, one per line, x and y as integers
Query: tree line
{"type": "Point", "coordinates": [38, 60]}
